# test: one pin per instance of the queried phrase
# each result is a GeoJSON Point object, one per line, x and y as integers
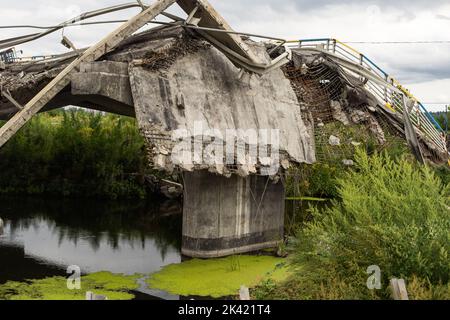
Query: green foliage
{"type": "Point", "coordinates": [442, 118]}
{"type": "Point", "coordinates": [316, 180]}
{"type": "Point", "coordinates": [217, 277]}
{"type": "Point", "coordinates": [75, 153]}
{"type": "Point", "coordinates": [419, 289]}
{"type": "Point", "coordinates": [393, 214]}
{"type": "Point", "coordinates": [443, 172]}
{"type": "Point", "coordinates": [349, 136]}
{"type": "Point", "coordinates": [320, 178]}
{"type": "Point", "coordinates": [113, 286]}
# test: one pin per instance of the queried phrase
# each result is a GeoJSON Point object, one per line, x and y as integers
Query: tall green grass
{"type": "Point", "coordinates": [392, 214]}
{"type": "Point", "coordinates": [75, 153]}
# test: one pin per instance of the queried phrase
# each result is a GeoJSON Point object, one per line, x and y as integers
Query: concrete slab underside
{"type": "Point", "coordinates": [224, 216]}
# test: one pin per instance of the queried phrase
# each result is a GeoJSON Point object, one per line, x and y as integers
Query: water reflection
{"type": "Point", "coordinates": [42, 237]}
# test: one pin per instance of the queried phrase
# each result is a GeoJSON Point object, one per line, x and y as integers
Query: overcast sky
{"type": "Point", "coordinates": [424, 68]}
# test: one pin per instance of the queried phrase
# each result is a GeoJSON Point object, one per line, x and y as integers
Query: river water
{"type": "Point", "coordinates": [41, 238]}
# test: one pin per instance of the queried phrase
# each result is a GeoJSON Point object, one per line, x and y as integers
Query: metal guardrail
{"type": "Point", "coordinates": [389, 94]}
{"type": "Point", "coordinates": [8, 56]}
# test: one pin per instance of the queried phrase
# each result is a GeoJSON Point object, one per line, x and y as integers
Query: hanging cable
{"type": "Point", "coordinates": [7, 43]}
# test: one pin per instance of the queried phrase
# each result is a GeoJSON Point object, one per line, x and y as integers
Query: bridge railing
{"type": "Point", "coordinates": [390, 99]}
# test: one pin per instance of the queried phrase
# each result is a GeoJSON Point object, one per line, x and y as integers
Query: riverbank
{"type": "Point", "coordinates": [76, 153]}
{"type": "Point", "coordinates": [393, 216]}
{"type": "Point", "coordinates": [124, 249]}
{"type": "Point", "coordinates": [383, 210]}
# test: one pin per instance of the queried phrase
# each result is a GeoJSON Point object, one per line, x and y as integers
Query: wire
{"type": "Point", "coordinates": [151, 22]}
{"type": "Point", "coordinates": [67, 25]}
{"type": "Point", "coordinates": [7, 43]}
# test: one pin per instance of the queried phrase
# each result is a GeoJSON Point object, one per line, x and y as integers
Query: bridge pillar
{"type": "Point", "coordinates": [224, 216]}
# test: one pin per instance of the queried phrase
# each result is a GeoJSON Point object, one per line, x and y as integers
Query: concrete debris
{"type": "Point", "coordinates": [376, 129]}
{"type": "Point", "coordinates": [217, 100]}
{"type": "Point", "coordinates": [162, 58]}
{"type": "Point", "coordinates": [359, 116]}
{"type": "Point", "coordinates": [348, 163]}
{"type": "Point", "coordinates": [324, 81]}
{"type": "Point", "coordinates": [285, 164]}
{"type": "Point", "coordinates": [334, 141]}
{"type": "Point", "coordinates": [244, 293]}
{"type": "Point", "coordinates": [338, 113]}
{"type": "Point", "coordinates": [159, 162]}
{"type": "Point", "coordinates": [364, 117]}
{"type": "Point", "coordinates": [170, 190]}
{"type": "Point", "coordinates": [243, 171]}
{"type": "Point", "coordinates": [304, 69]}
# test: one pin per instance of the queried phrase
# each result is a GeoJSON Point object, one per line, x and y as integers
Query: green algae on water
{"type": "Point", "coordinates": [113, 286]}
{"type": "Point", "coordinates": [218, 277]}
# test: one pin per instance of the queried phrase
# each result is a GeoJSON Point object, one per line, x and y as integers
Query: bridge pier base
{"type": "Point", "coordinates": [225, 216]}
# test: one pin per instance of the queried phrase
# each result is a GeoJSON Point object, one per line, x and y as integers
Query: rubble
{"type": "Point", "coordinates": [332, 94]}
{"type": "Point", "coordinates": [338, 113]}
{"type": "Point", "coordinates": [334, 141]}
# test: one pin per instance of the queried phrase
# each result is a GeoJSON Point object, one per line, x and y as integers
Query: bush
{"type": "Point", "coordinates": [75, 153]}
{"type": "Point", "coordinates": [320, 179]}
{"type": "Point", "coordinates": [393, 215]}
{"type": "Point", "coordinates": [316, 180]}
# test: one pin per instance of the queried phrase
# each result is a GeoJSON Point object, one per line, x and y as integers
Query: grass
{"type": "Point", "coordinates": [218, 277]}
{"type": "Point", "coordinates": [319, 180]}
{"type": "Point", "coordinates": [391, 213]}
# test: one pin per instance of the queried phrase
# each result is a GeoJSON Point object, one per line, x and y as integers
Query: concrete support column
{"type": "Point", "coordinates": [224, 216]}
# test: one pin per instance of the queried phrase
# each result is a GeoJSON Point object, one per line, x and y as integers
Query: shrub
{"type": "Point", "coordinates": [393, 214]}
{"type": "Point", "coordinates": [75, 153]}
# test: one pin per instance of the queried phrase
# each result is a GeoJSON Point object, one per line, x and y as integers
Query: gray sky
{"type": "Point", "coordinates": [424, 68]}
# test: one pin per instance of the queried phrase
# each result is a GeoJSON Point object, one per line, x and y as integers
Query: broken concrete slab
{"type": "Point", "coordinates": [338, 113]}
{"type": "Point", "coordinates": [334, 141]}
{"type": "Point", "coordinates": [215, 97]}
{"type": "Point", "coordinates": [107, 78]}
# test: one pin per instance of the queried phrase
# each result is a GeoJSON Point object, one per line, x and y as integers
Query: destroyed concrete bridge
{"type": "Point", "coordinates": [197, 72]}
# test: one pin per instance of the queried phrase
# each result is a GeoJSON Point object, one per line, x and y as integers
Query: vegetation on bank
{"type": "Point", "coordinates": [319, 180]}
{"type": "Point", "coordinates": [75, 153]}
{"type": "Point", "coordinates": [442, 118]}
{"type": "Point", "coordinates": [113, 286]}
{"type": "Point", "coordinates": [390, 213]}
{"type": "Point", "coordinates": [385, 210]}
{"type": "Point", "coordinates": [78, 153]}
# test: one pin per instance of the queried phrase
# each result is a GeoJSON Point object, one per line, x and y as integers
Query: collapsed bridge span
{"type": "Point", "coordinates": [193, 81]}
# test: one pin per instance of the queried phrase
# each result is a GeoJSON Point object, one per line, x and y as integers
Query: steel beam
{"type": "Point", "coordinates": [210, 18]}
{"type": "Point", "coordinates": [63, 79]}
